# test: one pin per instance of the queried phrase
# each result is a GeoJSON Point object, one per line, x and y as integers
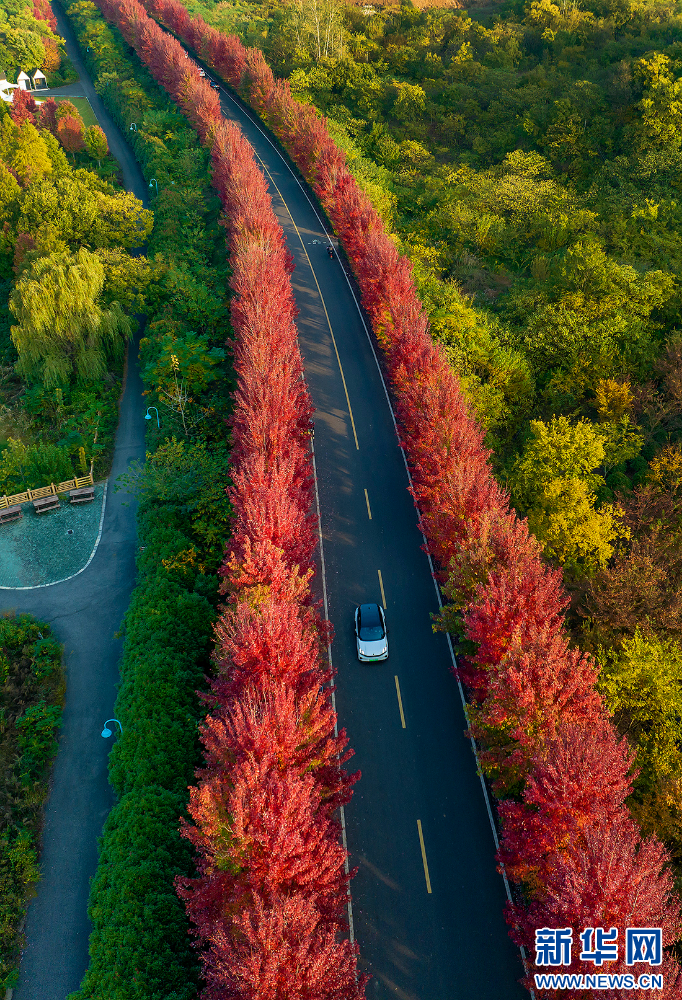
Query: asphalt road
{"type": "Point", "coordinates": [85, 613]}
{"type": "Point", "coordinates": [419, 803]}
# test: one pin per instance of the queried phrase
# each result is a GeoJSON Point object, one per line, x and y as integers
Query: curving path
{"type": "Point", "coordinates": [427, 903]}
{"type": "Point", "coordinates": [85, 613]}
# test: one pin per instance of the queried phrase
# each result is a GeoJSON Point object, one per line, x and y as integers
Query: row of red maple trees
{"type": "Point", "coordinates": [569, 844]}
{"type": "Point", "coordinates": [269, 900]}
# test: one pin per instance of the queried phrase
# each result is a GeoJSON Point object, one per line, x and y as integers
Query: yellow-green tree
{"type": "Point", "coordinates": [62, 328]}
{"type": "Point", "coordinates": [81, 210]}
{"type": "Point", "coordinates": [555, 482]}
{"type": "Point", "coordinates": [28, 155]}
{"type": "Point", "coordinates": [642, 686]}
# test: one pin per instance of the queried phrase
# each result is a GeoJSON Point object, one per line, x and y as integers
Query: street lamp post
{"type": "Point", "coordinates": [133, 126]}
{"type": "Point", "coordinates": [148, 416]}
{"type": "Point", "coordinates": [154, 181]}
{"type": "Point", "coordinates": [106, 732]}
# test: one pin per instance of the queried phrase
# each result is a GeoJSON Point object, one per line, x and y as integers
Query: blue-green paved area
{"type": "Point", "coordinates": [46, 548]}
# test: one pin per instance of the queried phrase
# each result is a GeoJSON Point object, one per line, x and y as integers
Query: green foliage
{"type": "Point", "coordinates": [79, 210]}
{"type": "Point", "coordinates": [31, 689]}
{"type": "Point", "coordinates": [529, 165]}
{"type": "Point", "coordinates": [24, 150]}
{"type": "Point", "coordinates": [193, 481]}
{"type": "Point", "coordinates": [642, 686]}
{"type": "Point", "coordinates": [36, 738]}
{"type": "Point", "coordinates": [29, 467]}
{"type": "Point", "coordinates": [62, 327]}
{"type": "Point", "coordinates": [140, 946]}
{"type": "Point", "coordinates": [555, 483]}
{"type": "Point", "coordinates": [65, 234]}
{"type": "Point", "coordinates": [190, 356]}
{"type": "Point", "coordinates": [96, 142]}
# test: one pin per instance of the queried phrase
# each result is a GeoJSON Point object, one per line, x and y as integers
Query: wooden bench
{"type": "Point", "coordinates": [45, 503]}
{"type": "Point", "coordinates": [8, 514]}
{"type": "Point", "coordinates": [82, 496]}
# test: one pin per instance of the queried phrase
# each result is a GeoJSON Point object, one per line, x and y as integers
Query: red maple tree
{"type": "Point", "coordinates": [23, 107]}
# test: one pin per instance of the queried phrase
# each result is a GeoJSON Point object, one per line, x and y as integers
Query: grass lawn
{"type": "Point", "coordinates": [83, 105]}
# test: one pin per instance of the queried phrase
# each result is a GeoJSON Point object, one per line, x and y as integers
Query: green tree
{"type": "Point", "coordinates": [642, 685]}
{"type": "Point", "coordinates": [571, 529]}
{"type": "Point", "coordinates": [190, 479]}
{"type": "Point", "coordinates": [21, 47]}
{"type": "Point", "coordinates": [29, 158]}
{"type": "Point", "coordinates": [62, 328]}
{"type": "Point", "coordinates": [80, 210]}
{"type": "Point", "coordinates": [188, 356]}
{"type": "Point", "coordinates": [96, 143]}
{"type": "Point", "coordinates": [555, 482]}
{"type": "Point", "coordinates": [557, 450]}
{"type": "Point", "coordinates": [24, 467]}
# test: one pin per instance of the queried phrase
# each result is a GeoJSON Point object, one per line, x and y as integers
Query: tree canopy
{"type": "Point", "coordinates": [61, 325]}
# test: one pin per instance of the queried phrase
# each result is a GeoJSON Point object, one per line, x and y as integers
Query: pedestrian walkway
{"type": "Point", "coordinates": [41, 549]}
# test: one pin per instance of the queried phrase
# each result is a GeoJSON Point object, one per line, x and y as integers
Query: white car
{"type": "Point", "coordinates": [371, 633]}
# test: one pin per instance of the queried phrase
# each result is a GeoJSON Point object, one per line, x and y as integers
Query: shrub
{"type": "Point", "coordinates": [31, 689]}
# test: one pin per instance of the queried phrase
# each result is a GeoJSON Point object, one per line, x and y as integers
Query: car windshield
{"type": "Point", "coordinates": [371, 629]}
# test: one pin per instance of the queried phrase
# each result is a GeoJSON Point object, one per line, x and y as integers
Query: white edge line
{"type": "Point", "coordinates": [40, 586]}
{"type": "Point", "coordinates": [351, 929]}
{"type": "Point", "coordinates": [486, 797]}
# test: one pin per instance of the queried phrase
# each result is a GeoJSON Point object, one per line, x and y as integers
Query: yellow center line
{"type": "Point", "coordinates": [426, 867]}
{"type": "Point", "coordinates": [331, 332]}
{"type": "Point", "coordinates": [400, 701]}
{"type": "Point", "coordinates": [368, 507]}
{"type": "Point", "coordinates": [383, 595]}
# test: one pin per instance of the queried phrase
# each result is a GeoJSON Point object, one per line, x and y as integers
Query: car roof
{"type": "Point", "coordinates": [370, 613]}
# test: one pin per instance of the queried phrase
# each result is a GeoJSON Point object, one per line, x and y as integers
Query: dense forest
{"type": "Point", "coordinates": [527, 159]}
{"type": "Point", "coordinates": [71, 283]}
{"type": "Point", "coordinates": [31, 695]}
{"type": "Point", "coordinates": [28, 41]}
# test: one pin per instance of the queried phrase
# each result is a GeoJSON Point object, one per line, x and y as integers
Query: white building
{"type": "Point", "coordinates": [6, 90]}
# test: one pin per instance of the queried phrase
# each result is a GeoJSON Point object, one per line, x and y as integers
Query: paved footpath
{"type": "Point", "coordinates": [85, 614]}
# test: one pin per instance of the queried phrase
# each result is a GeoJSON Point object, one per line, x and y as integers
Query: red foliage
{"type": "Point", "coordinates": [270, 896]}
{"type": "Point", "coordinates": [23, 246]}
{"type": "Point", "coordinates": [167, 62]}
{"type": "Point", "coordinates": [70, 134]}
{"type": "Point", "coordinates": [537, 684]}
{"type": "Point", "coordinates": [43, 12]}
{"type": "Point", "coordinates": [48, 115]}
{"type": "Point", "coordinates": [580, 856]}
{"type": "Point", "coordinates": [280, 949]}
{"type": "Point", "coordinates": [610, 878]}
{"type": "Point", "coordinates": [23, 107]}
{"type": "Point", "coordinates": [580, 779]}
